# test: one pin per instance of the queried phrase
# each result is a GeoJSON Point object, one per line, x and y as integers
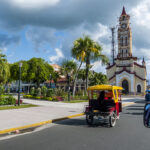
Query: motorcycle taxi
{"type": "Point", "coordinates": [104, 104]}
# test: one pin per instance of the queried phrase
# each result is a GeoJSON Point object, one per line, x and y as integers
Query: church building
{"type": "Point", "coordinates": [126, 71]}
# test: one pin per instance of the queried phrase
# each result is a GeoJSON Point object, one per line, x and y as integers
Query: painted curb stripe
{"type": "Point", "coordinates": [25, 127]}
{"type": "Point", "coordinates": [38, 124]}
{"type": "Point", "coordinates": [47, 122]}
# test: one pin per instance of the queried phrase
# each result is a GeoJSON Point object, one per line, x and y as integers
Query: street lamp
{"type": "Point", "coordinates": [20, 65]}
{"type": "Point", "coordinates": [68, 75]}
{"type": "Point", "coordinates": [50, 76]}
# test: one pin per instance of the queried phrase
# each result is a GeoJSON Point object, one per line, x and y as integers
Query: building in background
{"type": "Point", "coordinates": [126, 71]}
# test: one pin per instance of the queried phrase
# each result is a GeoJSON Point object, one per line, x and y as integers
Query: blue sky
{"type": "Point", "coordinates": [47, 28]}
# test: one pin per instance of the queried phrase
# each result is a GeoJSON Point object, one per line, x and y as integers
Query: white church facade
{"type": "Point", "coordinates": [126, 71]}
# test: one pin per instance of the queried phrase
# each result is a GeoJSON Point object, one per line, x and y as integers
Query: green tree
{"type": "Point", "coordinates": [14, 70]}
{"type": "Point", "coordinates": [97, 78]}
{"type": "Point", "coordinates": [86, 50]}
{"type": "Point", "coordinates": [4, 69]}
{"type": "Point", "coordinates": [68, 67]}
{"type": "Point", "coordinates": [38, 71]}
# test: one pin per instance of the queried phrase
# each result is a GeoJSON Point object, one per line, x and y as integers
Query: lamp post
{"type": "Point", "coordinates": [50, 76]}
{"type": "Point", "coordinates": [20, 65]}
{"type": "Point", "coordinates": [68, 86]}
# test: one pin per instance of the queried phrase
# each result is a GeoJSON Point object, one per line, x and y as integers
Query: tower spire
{"type": "Point", "coordinates": [143, 61]}
{"type": "Point", "coordinates": [123, 11]}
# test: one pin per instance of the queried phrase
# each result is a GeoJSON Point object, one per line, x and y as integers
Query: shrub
{"type": "Point", "coordinates": [84, 97]}
{"type": "Point", "coordinates": [50, 92]}
{"type": "Point", "coordinates": [54, 98]}
{"type": "Point", "coordinates": [44, 91]}
{"type": "Point", "coordinates": [79, 93]}
{"type": "Point", "coordinates": [11, 100]}
{"type": "Point", "coordinates": [7, 100]}
{"type": "Point", "coordinates": [48, 98]}
{"type": "Point", "coordinates": [59, 98]}
{"type": "Point", "coordinates": [37, 97]}
{"type": "Point", "coordinates": [38, 92]}
{"type": "Point", "coordinates": [32, 91]}
{"type": "Point", "coordinates": [59, 92]}
{"type": "Point", "coordinates": [27, 96]}
{"type": "Point", "coordinates": [1, 89]}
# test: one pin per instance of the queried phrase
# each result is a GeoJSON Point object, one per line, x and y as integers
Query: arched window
{"type": "Point", "coordinates": [125, 86]}
{"type": "Point", "coordinates": [139, 89]}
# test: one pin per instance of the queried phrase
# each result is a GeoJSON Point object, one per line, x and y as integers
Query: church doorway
{"type": "Point", "coordinates": [139, 89]}
{"type": "Point", "coordinates": [125, 86]}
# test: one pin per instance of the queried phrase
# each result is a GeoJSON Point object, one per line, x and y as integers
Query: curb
{"type": "Point", "coordinates": [31, 126]}
{"type": "Point", "coordinates": [16, 130]}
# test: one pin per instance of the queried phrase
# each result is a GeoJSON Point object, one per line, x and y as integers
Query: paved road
{"type": "Point", "coordinates": [128, 134]}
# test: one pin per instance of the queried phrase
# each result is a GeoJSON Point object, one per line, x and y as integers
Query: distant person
{"type": "Point", "coordinates": [147, 96]}
{"type": "Point", "coordinates": [101, 97]}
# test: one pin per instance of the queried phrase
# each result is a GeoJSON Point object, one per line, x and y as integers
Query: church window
{"type": "Point", "coordinates": [139, 89]}
{"type": "Point", "coordinates": [121, 41]}
{"type": "Point", "coordinates": [126, 52]}
{"type": "Point", "coordinates": [126, 41]}
{"type": "Point", "coordinates": [125, 86]}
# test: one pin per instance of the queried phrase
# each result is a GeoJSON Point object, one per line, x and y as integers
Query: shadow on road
{"type": "Point", "coordinates": [82, 123]}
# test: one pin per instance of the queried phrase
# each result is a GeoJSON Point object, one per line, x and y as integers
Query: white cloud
{"type": "Point", "coordinates": [98, 67]}
{"type": "Point", "coordinates": [59, 55]}
{"type": "Point", "coordinates": [141, 13]}
{"type": "Point", "coordinates": [102, 31]}
{"type": "Point", "coordinates": [34, 3]}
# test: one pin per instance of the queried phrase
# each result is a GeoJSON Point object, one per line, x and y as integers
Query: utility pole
{"type": "Point", "coordinates": [113, 44]}
{"type": "Point", "coordinates": [20, 65]}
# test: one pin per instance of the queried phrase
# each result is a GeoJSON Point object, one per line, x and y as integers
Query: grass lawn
{"type": "Point", "coordinates": [76, 101]}
{"type": "Point", "coordinates": [17, 107]}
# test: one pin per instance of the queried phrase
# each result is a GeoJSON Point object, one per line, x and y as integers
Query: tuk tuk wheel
{"type": "Point", "coordinates": [89, 119]}
{"type": "Point", "coordinates": [112, 119]}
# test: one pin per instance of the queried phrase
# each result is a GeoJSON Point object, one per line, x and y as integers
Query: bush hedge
{"type": "Point", "coordinates": [7, 100]}
{"type": "Point", "coordinates": [53, 98]}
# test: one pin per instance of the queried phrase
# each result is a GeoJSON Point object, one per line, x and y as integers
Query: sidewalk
{"type": "Point", "coordinates": [46, 111]}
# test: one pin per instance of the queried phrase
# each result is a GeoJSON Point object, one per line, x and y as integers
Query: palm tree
{"type": "Point", "coordinates": [86, 50]}
{"type": "Point", "coordinates": [68, 67]}
{"type": "Point", "coordinates": [4, 69]}
{"type": "Point", "coordinates": [81, 75]}
{"type": "Point", "coordinates": [97, 78]}
{"type": "Point", "coordinates": [79, 52]}
{"type": "Point", "coordinates": [55, 77]}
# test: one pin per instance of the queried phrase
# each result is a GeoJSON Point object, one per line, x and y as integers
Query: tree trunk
{"type": "Point", "coordinates": [87, 72]}
{"type": "Point", "coordinates": [75, 79]}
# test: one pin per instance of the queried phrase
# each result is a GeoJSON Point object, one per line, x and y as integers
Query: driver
{"type": "Point", "coordinates": [101, 98]}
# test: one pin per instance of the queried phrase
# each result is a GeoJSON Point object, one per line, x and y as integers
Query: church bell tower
{"type": "Point", "coordinates": [124, 36]}
{"type": "Point", "coordinates": [126, 71]}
